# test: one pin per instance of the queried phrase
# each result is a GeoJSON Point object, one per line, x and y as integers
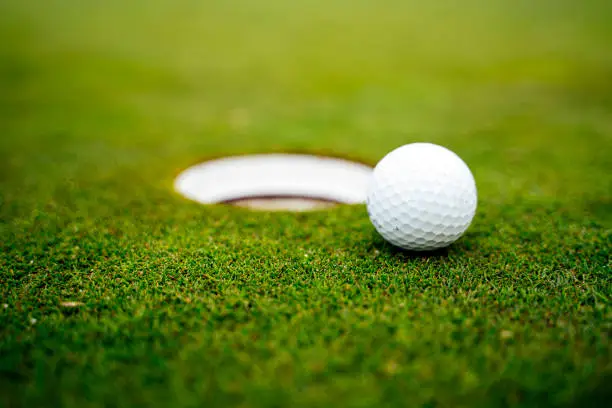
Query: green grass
{"type": "Point", "coordinates": [102, 103]}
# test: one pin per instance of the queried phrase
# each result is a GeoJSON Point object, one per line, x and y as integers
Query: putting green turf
{"type": "Point", "coordinates": [102, 104]}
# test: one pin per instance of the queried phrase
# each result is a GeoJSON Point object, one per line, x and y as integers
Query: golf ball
{"type": "Point", "coordinates": [421, 197]}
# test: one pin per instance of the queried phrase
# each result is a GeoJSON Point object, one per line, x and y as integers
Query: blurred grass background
{"type": "Point", "coordinates": [511, 83]}
{"type": "Point", "coordinates": [103, 103]}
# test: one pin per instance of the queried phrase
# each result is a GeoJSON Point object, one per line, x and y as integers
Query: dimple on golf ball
{"type": "Point", "coordinates": [421, 197]}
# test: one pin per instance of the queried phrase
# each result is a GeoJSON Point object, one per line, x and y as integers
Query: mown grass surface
{"type": "Point", "coordinates": [103, 103]}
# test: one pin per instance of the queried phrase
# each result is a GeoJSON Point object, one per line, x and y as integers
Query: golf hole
{"type": "Point", "coordinates": [276, 182]}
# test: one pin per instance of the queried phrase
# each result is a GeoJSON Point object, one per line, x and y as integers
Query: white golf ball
{"type": "Point", "coordinates": [421, 197]}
